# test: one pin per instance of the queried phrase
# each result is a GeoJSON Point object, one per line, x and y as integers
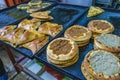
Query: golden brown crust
{"type": "Point", "coordinates": [96, 26]}
{"type": "Point", "coordinates": [36, 44]}
{"type": "Point", "coordinates": [80, 44]}
{"type": "Point", "coordinates": [29, 25]}
{"type": "Point", "coordinates": [68, 63]}
{"type": "Point", "coordinates": [99, 76]}
{"type": "Point", "coordinates": [20, 36]}
{"type": "Point", "coordinates": [78, 33]}
{"type": "Point", "coordinates": [58, 62]}
{"type": "Point", "coordinates": [50, 28]}
{"type": "Point", "coordinates": [87, 75]}
{"type": "Point", "coordinates": [99, 45]}
{"type": "Point", "coordinates": [42, 15]}
{"type": "Point", "coordinates": [5, 30]}
{"type": "Point", "coordinates": [63, 57]}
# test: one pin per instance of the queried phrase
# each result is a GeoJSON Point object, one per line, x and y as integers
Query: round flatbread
{"type": "Point", "coordinates": [80, 34]}
{"type": "Point", "coordinates": [108, 42]}
{"type": "Point", "coordinates": [100, 26]}
{"type": "Point", "coordinates": [62, 49]}
{"type": "Point", "coordinates": [103, 65]}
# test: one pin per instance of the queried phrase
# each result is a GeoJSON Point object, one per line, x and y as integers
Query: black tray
{"type": "Point", "coordinates": [63, 14]}
{"type": "Point", "coordinates": [74, 71]}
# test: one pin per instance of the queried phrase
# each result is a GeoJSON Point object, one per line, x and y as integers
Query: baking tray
{"type": "Point", "coordinates": [74, 71]}
{"type": "Point", "coordinates": [63, 14]}
{"type": "Point", "coordinates": [13, 15]}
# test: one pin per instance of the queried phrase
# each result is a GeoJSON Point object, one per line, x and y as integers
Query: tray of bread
{"type": "Point", "coordinates": [89, 49]}
{"type": "Point", "coordinates": [30, 35]}
{"type": "Point", "coordinates": [18, 12]}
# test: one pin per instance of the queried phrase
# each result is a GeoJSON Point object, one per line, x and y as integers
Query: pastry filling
{"type": "Point", "coordinates": [105, 63]}
{"type": "Point", "coordinates": [61, 47]}
{"type": "Point", "coordinates": [101, 25]}
{"type": "Point", "coordinates": [109, 40]}
{"type": "Point", "coordinates": [76, 31]}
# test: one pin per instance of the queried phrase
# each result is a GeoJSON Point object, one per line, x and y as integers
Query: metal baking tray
{"type": "Point", "coordinates": [74, 71]}
{"type": "Point", "coordinates": [63, 14]}
{"type": "Point", "coordinates": [13, 15]}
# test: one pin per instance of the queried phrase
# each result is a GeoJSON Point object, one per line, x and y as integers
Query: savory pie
{"type": "Point", "coordinates": [20, 36]}
{"type": "Point", "coordinates": [94, 11]}
{"type": "Point", "coordinates": [62, 52]}
{"type": "Point", "coordinates": [80, 34]}
{"type": "Point", "coordinates": [44, 15]}
{"type": "Point", "coordinates": [29, 25]}
{"type": "Point", "coordinates": [35, 2]}
{"type": "Point", "coordinates": [100, 26]}
{"type": "Point", "coordinates": [23, 6]}
{"type": "Point", "coordinates": [36, 44]}
{"type": "Point", "coordinates": [45, 4]}
{"type": "Point", "coordinates": [50, 28]}
{"type": "Point", "coordinates": [32, 9]}
{"type": "Point", "coordinates": [108, 42]}
{"type": "Point", "coordinates": [102, 65]}
{"type": "Point", "coordinates": [6, 29]}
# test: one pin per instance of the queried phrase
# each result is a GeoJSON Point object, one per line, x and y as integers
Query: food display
{"type": "Point", "coordinates": [101, 65]}
{"type": "Point", "coordinates": [94, 11]}
{"type": "Point", "coordinates": [31, 33]}
{"type": "Point", "coordinates": [80, 34]}
{"type": "Point", "coordinates": [100, 27]}
{"type": "Point", "coordinates": [62, 52]}
{"type": "Point", "coordinates": [88, 42]}
{"type": "Point", "coordinates": [49, 28]}
{"type": "Point", "coordinates": [108, 42]}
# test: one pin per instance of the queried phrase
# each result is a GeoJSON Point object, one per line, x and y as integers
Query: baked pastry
{"type": "Point", "coordinates": [13, 35]}
{"type": "Point", "coordinates": [44, 15]}
{"type": "Point", "coordinates": [62, 52]}
{"type": "Point", "coordinates": [102, 65]}
{"type": "Point", "coordinates": [6, 29]}
{"type": "Point", "coordinates": [45, 4]}
{"type": "Point", "coordinates": [29, 25]}
{"type": "Point", "coordinates": [32, 9]}
{"type": "Point", "coordinates": [36, 44]}
{"type": "Point", "coordinates": [100, 26]}
{"type": "Point", "coordinates": [35, 2]}
{"type": "Point", "coordinates": [20, 36]}
{"type": "Point", "coordinates": [50, 28]}
{"type": "Point", "coordinates": [79, 34]}
{"type": "Point", "coordinates": [23, 6]}
{"type": "Point", "coordinates": [94, 11]}
{"type": "Point", "coordinates": [108, 42]}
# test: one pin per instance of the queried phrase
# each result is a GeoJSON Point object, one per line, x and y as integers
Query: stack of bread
{"type": "Point", "coordinates": [62, 52]}
{"type": "Point", "coordinates": [100, 27]}
{"type": "Point", "coordinates": [80, 34]}
{"type": "Point", "coordinates": [101, 65]}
